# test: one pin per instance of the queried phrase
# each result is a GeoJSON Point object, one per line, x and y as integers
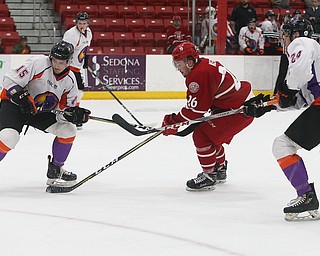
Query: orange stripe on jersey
{"type": "Point", "coordinates": [4, 148]}
{"type": "Point", "coordinates": [316, 102]}
{"type": "Point", "coordinates": [288, 160]}
{"type": "Point", "coordinates": [66, 140]}
{"type": "Point", "coordinates": [74, 69]}
{"type": "Point", "coordinates": [38, 75]}
{"type": "Point", "coordinates": [4, 95]}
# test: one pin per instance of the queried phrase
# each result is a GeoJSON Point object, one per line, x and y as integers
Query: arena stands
{"type": "Point", "coordinates": [138, 24]}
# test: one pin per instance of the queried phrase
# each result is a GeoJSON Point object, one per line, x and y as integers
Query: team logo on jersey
{"type": "Point", "coordinates": [193, 87]}
{"type": "Point", "coordinates": [46, 101]}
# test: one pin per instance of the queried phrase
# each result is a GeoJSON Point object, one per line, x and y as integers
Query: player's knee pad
{"type": "Point", "coordinates": [9, 137]}
{"type": "Point", "coordinates": [284, 146]}
{"type": "Point", "coordinates": [63, 130]}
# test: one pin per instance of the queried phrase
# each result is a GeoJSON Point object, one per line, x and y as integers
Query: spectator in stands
{"type": "Point", "coordinates": [240, 16]}
{"type": "Point", "coordinates": [1, 47]}
{"type": "Point", "coordinates": [209, 31]}
{"type": "Point", "coordinates": [313, 15]}
{"type": "Point", "coordinates": [270, 32]}
{"type": "Point", "coordinates": [176, 34]}
{"type": "Point", "coordinates": [22, 47]}
{"type": "Point", "coordinates": [297, 14]}
{"type": "Point", "coordinates": [308, 3]}
{"type": "Point", "coordinates": [80, 37]}
{"type": "Point", "coordinates": [251, 40]}
{"type": "Point", "coordinates": [282, 4]}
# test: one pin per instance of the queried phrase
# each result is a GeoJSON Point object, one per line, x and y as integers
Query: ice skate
{"type": "Point", "coordinates": [304, 207]}
{"type": "Point", "coordinates": [221, 171]}
{"type": "Point", "coordinates": [57, 176]}
{"type": "Point", "coordinates": [204, 181]}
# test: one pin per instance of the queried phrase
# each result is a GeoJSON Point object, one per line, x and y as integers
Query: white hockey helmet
{"type": "Point", "coordinates": [211, 11]}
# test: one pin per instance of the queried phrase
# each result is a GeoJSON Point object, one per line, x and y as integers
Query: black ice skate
{"type": "Point", "coordinates": [221, 171]}
{"type": "Point", "coordinates": [59, 177]}
{"type": "Point", "coordinates": [204, 181]}
{"type": "Point", "coordinates": [303, 207]}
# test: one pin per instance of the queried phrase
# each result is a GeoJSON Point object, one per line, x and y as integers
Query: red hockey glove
{"type": "Point", "coordinates": [168, 120]}
{"type": "Point", "coordinates": [248, 50]}
{"type": "Point", "coordinates": [24, 100]}
{"type": "Point", "coordinates": [261, 51]}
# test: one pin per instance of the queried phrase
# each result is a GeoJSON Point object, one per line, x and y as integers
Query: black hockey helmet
{"type": "Point", "coordinates": [62, 51]}
{"type": "Point", "coordinates": [300, 25]}
{"type": "Point", "coordinates": [270, 13]}
{"type": "Point", "coordinates": [82, 16]}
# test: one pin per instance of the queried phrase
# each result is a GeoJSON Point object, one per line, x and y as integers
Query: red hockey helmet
{"type": "Point", "coordinates": [184, 50]}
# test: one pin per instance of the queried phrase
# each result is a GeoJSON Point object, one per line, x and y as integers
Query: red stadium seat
{"type": "Point", "coordinates": [264, 4]}
{"type": "Point", "coordinates": [135, 25]}
{"type": "Point", "coordinates": [139, 2]}
{"type": "Point", "coordinates": [69, 11]}
{"type": "Point", "coordinates": [8, 49]}
{"type": "Point", "coordinates": [97, 24]}
{"type": "Point", "coordinates": [167, 22]}
{"type": "Point", "coordinates": [69, 23]}
{"type": "Point", "coordinates": [87, 2]}
{"type": "Point", "coordinates": [260, 14]}
{"type": "Point", "coordinates": [124, 39]}
{"type": "Point", "coordinates": [108, 11]}
{"type": "Point", "coordinates": [9, 38]}
{"type": "Point", "coordinates": [154, 25]}
{"type": "Point", "coordinates": [112, 50]}
{"type": "Point", "coordinates": [164, 11]}
{"type": "Point", "coordinates": [57, 3]}
{"type": "Point", "coordinates": [161, 39]}
{"type": "Point", "coordinates": [127, 11]}
{"type": "Point", "coordinates": [144, 39]}
{"type": "Point", "coordinates": [154, 50]}
{"type": "Point", "coordinates": [178, 2]}
{"type": "Point", "coordinates": [133, 50]}
{"type": "Point", "coordinates": [146, 11]}
{"type": "Point", "coordinates": [103, 39]}
{"type": "Point", "coordinates": [105, 2]}
{"type": "Point", "coordinates": [7, 24]}
{"type": "Point", "coordinates": [115, 25]}
{"type": "Point", "coordinates": [181, 11]}
{"type": "Point", "coordinates": [201, 10]}
{"type": "Point", "coordinates": [95, 50]}
{"type": "Point", "coordinates": [92, 10]}
{"type": "Point", "coordinates": [157, 2]}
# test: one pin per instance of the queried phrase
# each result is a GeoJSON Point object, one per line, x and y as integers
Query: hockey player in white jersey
{"type": "Point", "coordinates": [301, 88]}
{"type": "Point", "coordinates": [251, 40]}
{"type": "Point", "coordinates": [29, 95]}
{"type": "Point", "coordinates": [80, 37]}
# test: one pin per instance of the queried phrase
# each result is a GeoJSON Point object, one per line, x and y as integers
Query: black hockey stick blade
{"type": "Point", "coordinates": [54, 189]}
{"type": "Point", "coordinates": [130, 128]}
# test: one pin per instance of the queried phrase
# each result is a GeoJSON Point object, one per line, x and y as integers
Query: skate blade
{"type": "Point", "coordinates": [221, 181]}
{"type": "Point", "coordinates": [303, 216]}
{"type": "Point", "coordinates": [60, 183]}
{"type": "Point", "coordinates": [201, 189]}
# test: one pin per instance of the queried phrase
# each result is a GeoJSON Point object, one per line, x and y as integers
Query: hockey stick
{"type": "Point", "coordinates": [128, 127]}
{"type": "Point", "coordinates": [113, 95]}
{"type": "Point", "coordinates": [133, 130]}
{"type": "Point", "coordinates": [54, 189]}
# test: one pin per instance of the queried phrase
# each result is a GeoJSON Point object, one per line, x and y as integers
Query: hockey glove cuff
{"type": "Point", "coordinates": [287, 97]}
{"type": "Point", "coordinates": [254, 106]}
{"type": "Point", "coordinates": [77, 115]}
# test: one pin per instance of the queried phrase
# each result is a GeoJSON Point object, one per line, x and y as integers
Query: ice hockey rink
{"type": "Point", "coordinates": [139, 206]}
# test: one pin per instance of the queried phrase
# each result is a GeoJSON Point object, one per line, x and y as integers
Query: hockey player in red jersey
{"type": "Point", "coordinates": [30, 94]}
{"type": "Point", "coordinates": [211, 87]}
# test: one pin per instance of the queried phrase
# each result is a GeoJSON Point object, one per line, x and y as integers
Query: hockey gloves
{"type": "Point", "coordinates": [24, 100]}
{"type": "Point", "coordinates": [170, 120]}
{"type": "Point", "coordinates": [254, 107]}
{"type": "Point", "coordinates": [287, 97]}
{"type": "Point", "coordinates": [248, 50]}
{"type": "Point", "coordinates": [77, 115]}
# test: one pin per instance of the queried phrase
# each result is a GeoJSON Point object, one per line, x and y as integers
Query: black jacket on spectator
{"type": "Point", "coordinates": [241, 16]}
{"type": "Point", "coordinates": [311, 12]}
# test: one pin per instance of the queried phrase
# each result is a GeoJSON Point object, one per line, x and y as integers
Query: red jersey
{"type": "Point", "coordinates": [177, 36]}
{"type": "Point", "coordinates": [213, 87]}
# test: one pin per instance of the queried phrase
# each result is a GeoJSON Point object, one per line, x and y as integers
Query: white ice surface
{"type": "Point", "coordinates": [139, 206]}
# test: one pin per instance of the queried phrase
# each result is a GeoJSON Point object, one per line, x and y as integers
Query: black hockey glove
{"type": "Point", "coordinates": [77, 115]}
{"type": "Point", "coordinates": [24, 100]}
{"type": "Point", "coordinates": [254, 107]}
{"type": "Point", "coordinates": [287, 97]}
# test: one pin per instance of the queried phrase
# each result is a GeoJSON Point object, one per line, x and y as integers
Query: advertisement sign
{"type": "Point", "coordinates": [118, 72]}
